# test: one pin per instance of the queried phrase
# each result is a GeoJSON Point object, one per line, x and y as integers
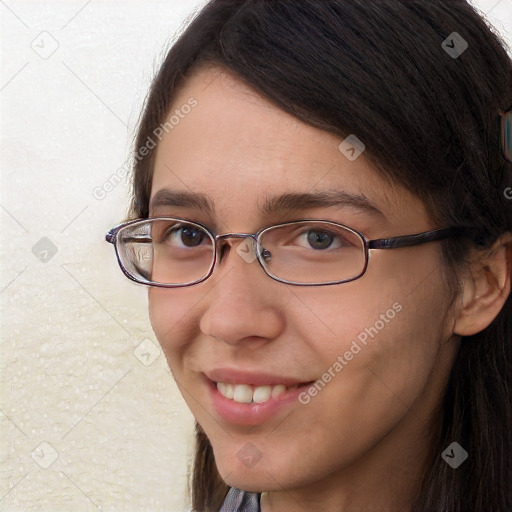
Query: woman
{"type": "Point", "coordinates": [329, 253]}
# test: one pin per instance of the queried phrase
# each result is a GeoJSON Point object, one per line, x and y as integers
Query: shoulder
{"type": "Point", "coordinates": [240, 501]}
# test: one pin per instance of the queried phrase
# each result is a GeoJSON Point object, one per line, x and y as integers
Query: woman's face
{"type": "Point", "coordinates": [379, 345]}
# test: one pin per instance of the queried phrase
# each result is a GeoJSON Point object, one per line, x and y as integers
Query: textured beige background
{"type": "Point", "coordinates": [85, 424]}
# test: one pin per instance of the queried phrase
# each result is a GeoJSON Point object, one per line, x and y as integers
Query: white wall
{"type": "Point", "coordinates": [115, 432]}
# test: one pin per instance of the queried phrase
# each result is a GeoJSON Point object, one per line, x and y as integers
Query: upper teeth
{"type": "Point", "coordinates": [245, 394]}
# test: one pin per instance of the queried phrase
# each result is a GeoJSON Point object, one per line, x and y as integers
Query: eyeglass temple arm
{"type": "Point", "coordinates": [421, 238]}
{"type": "Point", "coordinates": [111, 238]}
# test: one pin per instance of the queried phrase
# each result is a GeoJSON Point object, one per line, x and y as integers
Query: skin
{"type": "Point", "coordinates": [362, 442]}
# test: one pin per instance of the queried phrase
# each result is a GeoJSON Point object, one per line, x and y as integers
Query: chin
{"type": "Point", "coordinates": [259, 481]}
{"type": "Point", "coordinates": [247, 469]}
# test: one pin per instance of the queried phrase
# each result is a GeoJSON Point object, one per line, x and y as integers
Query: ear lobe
{"type": "Point", "coordinates": [486, 288]}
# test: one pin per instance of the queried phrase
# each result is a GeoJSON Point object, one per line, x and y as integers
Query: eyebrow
{"type": "Point", "coordinates": [166, 197]}
{"type": "Point", "coordinates": [285, 202]}
{"type": "Point", "coordinates": [324, 198]}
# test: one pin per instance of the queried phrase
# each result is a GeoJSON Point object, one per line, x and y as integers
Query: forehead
{"type": "Point", "coordinates": [235, 127]}
{"type": "Point", "coordinates": [240, 150]}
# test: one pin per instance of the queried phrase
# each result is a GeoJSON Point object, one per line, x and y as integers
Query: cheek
{"type": "Point", "coordinates": [376, 352]}
{"type": "Point", "coordinates": [170, 313]}
{"type": "Point", "coordinates": [386, 334]}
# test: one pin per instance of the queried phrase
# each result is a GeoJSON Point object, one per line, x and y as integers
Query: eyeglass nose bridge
{"type": "Point", "coordinates": [219, 239]}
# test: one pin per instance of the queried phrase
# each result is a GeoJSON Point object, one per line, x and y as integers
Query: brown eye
{"type": "Point", "coordinates": [184, 236]}
{"type": "Point", "coordinates": [189, 236]}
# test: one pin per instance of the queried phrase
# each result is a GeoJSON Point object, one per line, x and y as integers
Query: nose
{"type": "Point", "coordinates": [243, 304]}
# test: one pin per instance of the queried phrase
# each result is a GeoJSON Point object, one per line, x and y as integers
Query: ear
{"type": "Point", "coordinates": [486, 287]}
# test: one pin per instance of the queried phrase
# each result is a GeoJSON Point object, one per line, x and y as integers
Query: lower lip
{"type": "Point", "coordinates": [253, 413]}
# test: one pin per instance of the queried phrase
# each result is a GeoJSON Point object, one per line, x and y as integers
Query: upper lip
{"type": "Point", "coordinates": [254, 378]}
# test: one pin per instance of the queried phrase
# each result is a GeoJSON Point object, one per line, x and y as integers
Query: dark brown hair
{"type": "Point", "coordinates": [429, 121]}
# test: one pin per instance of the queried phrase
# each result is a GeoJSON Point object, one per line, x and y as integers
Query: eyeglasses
{"type": "Point", "coordinates": [171, 252]}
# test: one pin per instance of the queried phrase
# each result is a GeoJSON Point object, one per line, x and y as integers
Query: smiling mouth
{"type": "Point", "coordinates": [246, 394]}
{"type": "Point", "coordinates": [251, 398]}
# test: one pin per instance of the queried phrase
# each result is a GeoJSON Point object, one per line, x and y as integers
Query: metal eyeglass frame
{"type": "Point", "coordinates": [379, 243]}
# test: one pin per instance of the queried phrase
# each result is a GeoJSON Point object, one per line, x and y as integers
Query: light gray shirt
{"type": "Point", "coordinates": [241, 501]}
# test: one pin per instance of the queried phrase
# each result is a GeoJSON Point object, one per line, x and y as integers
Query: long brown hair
{"type": "Point", "coordinates": [429, 121]}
